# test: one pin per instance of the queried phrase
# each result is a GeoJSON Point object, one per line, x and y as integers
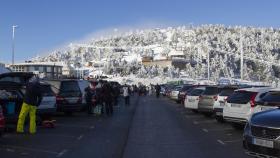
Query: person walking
{"type": "Point", "coordinates": [157, 90]}
{"type": "Point", "coordinates": [108, 98]}
{"type": "Point", "coordinates": [31, 100]}
{"type": "Point", "coordinates": [126, 94]}
{"type": "Point", "coordinates": [90, 97]}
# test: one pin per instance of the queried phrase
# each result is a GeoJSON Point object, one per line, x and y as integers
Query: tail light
{"type": "Point", "coordinates": [252, 100]}
{"type": "Point", "coordinates": [1, 111]}
{"type": "Point", "coordinates": [80, 100]}
{"type": "Point", "coordinates": [225, 99]}
{"type": "Point", "coordinates": [59, 98]}
{"type": "Point", "coordinates": [215, 98]}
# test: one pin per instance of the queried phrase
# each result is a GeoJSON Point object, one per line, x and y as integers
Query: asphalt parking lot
{"type": "Point", "coordinates": [149, 127]}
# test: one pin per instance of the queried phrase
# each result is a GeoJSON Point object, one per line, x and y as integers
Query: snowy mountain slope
{"type": "Point", "coordinates": [261, 47]}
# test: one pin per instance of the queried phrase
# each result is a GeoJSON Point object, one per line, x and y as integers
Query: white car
{"type": "Point", "coordinates": [48, 103]}
{"type": "Point", "coordinates": [241, 104]}
{"type": "Point", "coordinates": [192, 99]}
{"type": "Point", "coordinates": [175, 92]}
{"type": "Point", "coordinates": [220, 102]}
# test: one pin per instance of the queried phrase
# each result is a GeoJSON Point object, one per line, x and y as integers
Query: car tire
{"type": "Point", "coordinates": [194, 110]}
{"type": "Point", "coordinates": [220, 119]}
{"type": "Point", "coordinates": [237, 126]}
{"type": "Point", "coordinates": [68, 113]}
{"type": "Point", "coordinates": [207, 114]}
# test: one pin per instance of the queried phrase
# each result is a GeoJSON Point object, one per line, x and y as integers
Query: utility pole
{"type": "Point", "coordinates": [241, 56]}
{"type": "Point", "coordinates": [208, 65]}
{"type": "Point", "coordinates": [13, 44]}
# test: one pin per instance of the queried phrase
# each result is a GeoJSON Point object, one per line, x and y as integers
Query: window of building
{"type": "Point", "coordinates": [49, 69]}
{"type": "Point", "coordinates": [41, 69]}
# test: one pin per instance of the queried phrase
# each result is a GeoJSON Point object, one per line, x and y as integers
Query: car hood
{"type": "Point", "coordinates": [270, 118]}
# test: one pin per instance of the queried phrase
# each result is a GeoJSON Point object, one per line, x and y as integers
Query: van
{"type": "Point", "coordinates": [70, 94]}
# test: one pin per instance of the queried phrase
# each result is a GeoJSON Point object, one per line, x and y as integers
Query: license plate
{"type": "Point", "coordinates": [236, 105]}
{"type": "Point", "coordinates": [191, 100]}
{"type": "Point", "coordinates": [72, 100]}
{"type": "Point", "coordinates": [264, 143]}
{"type": "Point", "coordinates": [219, 113]}
{"type": "Point", "coordinates": [222, 104]}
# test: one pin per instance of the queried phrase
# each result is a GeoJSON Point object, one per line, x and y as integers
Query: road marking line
{"type": "Point", "coordinates": [59, 135]}
{"type": "Point", "coordinates": [221, 142]}
{"type": "Point", "coordinates": [92, 127]}
{"type": "Point", "coordinates": [61, 153]}
{"type": "Point", "coordinates": [74, 126]}
{"type": "Point", "coordinates": [233, 141]}
{"type": "Point", "coordinates": [80, 137]}
{"type": "Point", "coordinates": [201, 122]}
{"type": "Point", "coordinates": [205, 130]}
{"type": "Point", "coordinates": [192, 116]}
{"type": "Point", "coordinates": [28, 149]}
{"type": "Point", "coordinates": [223, 129]}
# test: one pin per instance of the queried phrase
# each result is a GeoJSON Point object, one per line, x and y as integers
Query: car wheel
{"type": "Point", "coordinates": [220, 119]}
{"type": "Point", "coordinates": [207, 114]}
{"type": "Point", "coordinates": [237, 126]}
{"type": "Point", "coordinates": [195, 111]}
{"type": "Point", "coordinates": [68, 113]}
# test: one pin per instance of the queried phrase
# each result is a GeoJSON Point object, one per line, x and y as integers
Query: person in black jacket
{"type": "Point", "coordinates": [90, 97]}
{"type": "Point", "coordinates": [107, 94]}
{"type": "Point", "coordinates": [31, 100]}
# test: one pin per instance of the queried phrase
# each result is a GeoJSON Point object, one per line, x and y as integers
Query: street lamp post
{"type": "Point", "coordinates": [13, 44]}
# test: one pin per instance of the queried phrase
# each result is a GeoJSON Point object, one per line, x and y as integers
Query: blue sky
{"type": "Point", "coordinates": [48, 24]}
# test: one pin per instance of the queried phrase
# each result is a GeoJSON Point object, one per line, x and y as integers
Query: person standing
{"type": "Point", "coordinates": [31, 100]}
{"type": "Point", "coordinates": [126, 94]}
{"type": "Point", "coordinates": [157, 90]}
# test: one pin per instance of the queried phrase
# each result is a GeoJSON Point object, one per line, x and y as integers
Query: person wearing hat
{"type": "Point", "coordinates": [31, 100]}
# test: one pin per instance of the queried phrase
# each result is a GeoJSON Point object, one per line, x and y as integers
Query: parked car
{"type": "Point", "coordinates": [261, 134]}
{"type": "Point", "coordinates": [207, 99]}
{"type": "Point", "coordinates": [183, 92]}
{"type": "Point", "coordinates": [175, 93]}
{"type": "Point", "coordinates": [192, 99]}
{"type": "Point", "coordinates": [70, 94]}
{"type": "Point", "coordinates": [221, 101]}
{"type": "Point", "coordinates": [240, 105]}
{"type": "Point", "coordinates": [2, 121]}
{"type": "Point", "coordinates": [48, 103]}
{"type": "Point", "coordinates": [11, 98]}
{"type": "Point", "coordinates": [270, 100]}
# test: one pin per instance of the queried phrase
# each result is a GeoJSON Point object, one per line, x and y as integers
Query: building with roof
{"type": "Point", "coordinates": [48, 70]}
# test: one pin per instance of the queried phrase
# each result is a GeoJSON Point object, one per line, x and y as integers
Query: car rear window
{"type": "Point", "coordinates": [69, 86]}
{"type": "Point", "coordinates": [271, 97]}
{"type": "Point", "coordinates": [240, 97]}
{"type": "Point", "coordinates": [185, 88]}
{"type": "Point", "coordinates": [47, 90]}
{"type": "Point", "coordinates": [226, 92]}
{"type": "Point", "coordinates": [196, 92]}
{"type": "Point", "coordinates": [211, 91]}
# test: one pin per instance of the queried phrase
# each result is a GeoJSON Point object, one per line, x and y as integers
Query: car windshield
{"type": "Point", "coordinates": [196, 92]}
{"type": "Point", "coordinates": [211, 91]}
{"type": "Point", "coordinates": [240, 97]}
